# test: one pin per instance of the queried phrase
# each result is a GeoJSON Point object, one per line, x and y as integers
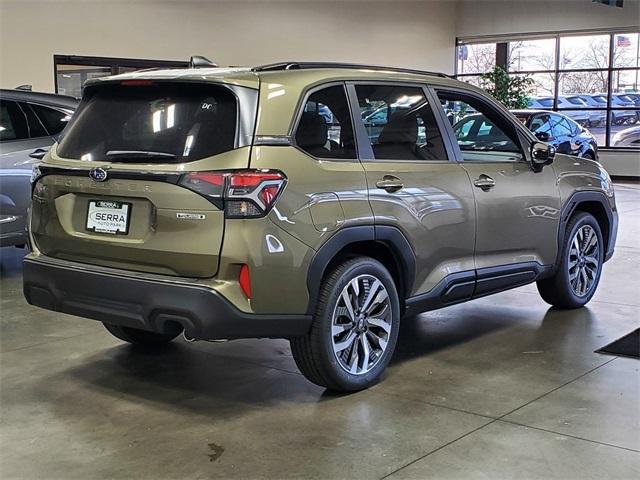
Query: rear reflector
{"type": "Point", "coordinates": [245, 281]}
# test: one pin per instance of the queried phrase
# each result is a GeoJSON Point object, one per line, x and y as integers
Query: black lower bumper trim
{"type": "Point", "coordinates": [149, 304]}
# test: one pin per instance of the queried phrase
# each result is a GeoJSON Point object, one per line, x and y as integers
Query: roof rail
{"type": "Point", "coordinates": [308, 65]}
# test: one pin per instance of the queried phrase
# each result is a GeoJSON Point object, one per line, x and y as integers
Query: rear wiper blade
{"type": "Point", "coordinates": [138, 154]}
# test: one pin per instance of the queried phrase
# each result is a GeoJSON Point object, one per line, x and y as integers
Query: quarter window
{"type": "Point", "coordinates": [54, 120]}
{"type": "Point", "coordinates": [325, 128]}
{"type": "Point", "coordinates": [400, 123]}
{"type": "Point", "coordinates": [482, 133]}
{"type": "Point", "coordinates": [36, 129]}
{"type": "Point", "coordinates": [541, 124]}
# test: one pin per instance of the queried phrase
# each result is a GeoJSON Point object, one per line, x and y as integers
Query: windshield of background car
{"type": "Point", "coordinates": [577, 101]}
{"type": "Point", "coordinates": [162, 123]}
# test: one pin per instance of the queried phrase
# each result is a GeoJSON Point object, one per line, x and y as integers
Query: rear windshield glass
{"type": "Point", "coordinates": [155, 123]}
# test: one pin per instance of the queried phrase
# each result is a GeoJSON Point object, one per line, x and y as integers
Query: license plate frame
{"type": "Point", "coordinates": [108, 207]}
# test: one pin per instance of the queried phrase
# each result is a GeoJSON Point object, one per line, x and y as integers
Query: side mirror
{"type": "Point", "coordinates": [542, 154]}
{"type": "Point", "coordinates": [543, 136]}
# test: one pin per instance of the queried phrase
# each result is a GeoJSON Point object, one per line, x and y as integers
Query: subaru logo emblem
{"type": "Point", "coordinates": [98, 174]}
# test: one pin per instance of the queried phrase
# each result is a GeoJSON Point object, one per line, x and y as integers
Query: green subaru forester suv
{"type": "Point", "coordinates": [320, 203]}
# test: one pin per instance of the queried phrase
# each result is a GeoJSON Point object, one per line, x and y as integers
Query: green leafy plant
{"type": "Point", "coordinates": [512, 91]}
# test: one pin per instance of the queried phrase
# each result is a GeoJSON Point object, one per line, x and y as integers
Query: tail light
{"type": "Point", "coordinates": [243, 193]}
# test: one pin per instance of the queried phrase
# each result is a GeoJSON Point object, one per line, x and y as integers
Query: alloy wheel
{"type": "Point", "coordinates": [361, 324]}
{"type": "Point", "coordinates": [584, 260]}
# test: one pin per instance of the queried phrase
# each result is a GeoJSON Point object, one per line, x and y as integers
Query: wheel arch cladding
{"type": "Point", "coordinates": [596, 204]}
{"type": "Point", "coordinates": [386, 244]}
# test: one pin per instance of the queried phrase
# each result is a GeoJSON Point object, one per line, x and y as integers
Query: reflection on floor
{"type": "Point", "coordinates": [502, 387]}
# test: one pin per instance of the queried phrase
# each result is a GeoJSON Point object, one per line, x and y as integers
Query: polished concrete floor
{"type": "Point", "coordinates": [499, 388]}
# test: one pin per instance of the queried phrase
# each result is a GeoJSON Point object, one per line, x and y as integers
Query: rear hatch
{"type": "Point", "coordinates": [111, 193]}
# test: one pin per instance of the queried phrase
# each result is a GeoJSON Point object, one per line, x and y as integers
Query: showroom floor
{"type": "Point", "coordinates": [502, 387]}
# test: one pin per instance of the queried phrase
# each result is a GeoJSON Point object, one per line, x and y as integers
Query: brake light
{"type": "Point", "coordinates": [136, 83]}
{"type": "Point", "coordinates": [246, 193]}
{"type": "Point", "coordinates": [245, 281]}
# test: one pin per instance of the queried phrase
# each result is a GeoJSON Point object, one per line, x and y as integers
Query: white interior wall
{"type": "Point", "coordinates": [419, 34]}
{"type": "Point", "coordinates": [492, 17]}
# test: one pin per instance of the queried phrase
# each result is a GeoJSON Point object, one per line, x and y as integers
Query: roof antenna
{"type": "Point", "coordinates": [26, 88]}
{"type": "Point", "coordinates": [198, 61]}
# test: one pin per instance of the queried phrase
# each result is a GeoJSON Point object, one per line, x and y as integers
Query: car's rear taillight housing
{"type": "Point", "coordinates": [244, 193]}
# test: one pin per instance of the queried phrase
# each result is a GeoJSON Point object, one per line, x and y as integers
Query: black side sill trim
{"type": "Point", "coordinates": [462, 286]}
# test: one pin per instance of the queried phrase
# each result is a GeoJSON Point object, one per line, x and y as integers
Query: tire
{"type": "Point", "coordinates": [141, 337]}
{"type": "Point", "coordinates": [321, 354]}
{"type": "Point", "coordinates": [578, 273]}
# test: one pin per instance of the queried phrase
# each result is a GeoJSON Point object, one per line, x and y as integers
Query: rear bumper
{"type": "Point", "coordinates": [149, 304]}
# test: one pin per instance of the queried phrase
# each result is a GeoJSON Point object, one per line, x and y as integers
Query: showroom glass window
{"type": "Point", "coordinates": [325, 127]}
{"type": "Point", "coordinates": [72, 71]}
{"type": "Point", "coordinates": [593, 78]}
{"type": "Point", "coordinates": [400, 123]}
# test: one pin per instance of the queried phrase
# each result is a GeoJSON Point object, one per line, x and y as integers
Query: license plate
{"type": "Point", "coordinates": [106, 216]}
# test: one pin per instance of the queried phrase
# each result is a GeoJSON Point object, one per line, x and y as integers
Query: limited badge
{"type": "Point", "coordinates": [190, 216]}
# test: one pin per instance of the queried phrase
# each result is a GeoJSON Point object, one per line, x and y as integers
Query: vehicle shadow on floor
{"type": "Point", "coordinates": [234, 380]}
{"type": "Point", "coordinates": [11, 262]}
{"type": "Point", "coordinates": [430, 333]}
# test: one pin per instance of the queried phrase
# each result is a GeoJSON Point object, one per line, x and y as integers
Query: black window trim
{"type": "Point", "coordinates": [366, 151]}
{"type": "Point", "coordinates": [520, 130]}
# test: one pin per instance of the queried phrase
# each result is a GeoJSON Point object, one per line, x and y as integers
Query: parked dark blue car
{"type": "Point", "coordinates": [560, 131]}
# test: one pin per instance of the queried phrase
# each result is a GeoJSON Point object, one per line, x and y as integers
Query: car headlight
{"type": "Point", "coordinates": [616, 138]}
{"type": "Point", "coordinates": [35, 173]}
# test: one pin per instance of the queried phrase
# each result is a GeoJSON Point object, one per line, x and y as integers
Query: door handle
{"type": "Point", "coordinates": [485, 182]}
{"type": "Point", "coordinates": [38, 153]}
{"type": "Point", "coordinates": [390, 183]}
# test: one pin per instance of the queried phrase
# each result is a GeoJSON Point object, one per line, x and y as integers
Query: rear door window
{"type": "Point", "coordinates": [152, 123]}
{"type": "Point", "coordinates": [13, 123]}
